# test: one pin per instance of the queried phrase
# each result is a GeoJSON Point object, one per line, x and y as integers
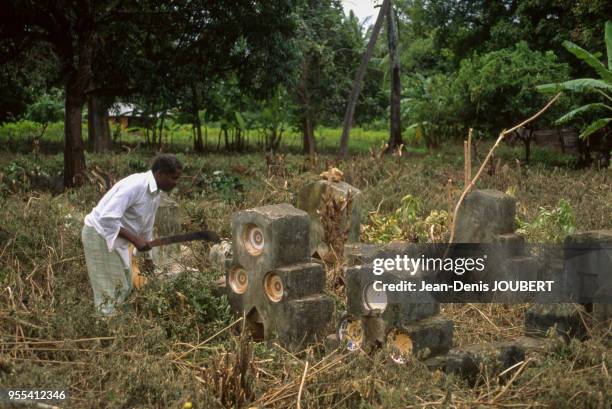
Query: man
{"type": "Point", "coordinates": [124, 215]}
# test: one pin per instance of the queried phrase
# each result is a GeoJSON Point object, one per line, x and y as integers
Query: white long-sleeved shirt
{"type": "Point", "coordinates": [131, 203]}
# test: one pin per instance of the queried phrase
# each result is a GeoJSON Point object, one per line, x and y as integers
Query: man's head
{"type": "Point", "coordinates": [167, 170]}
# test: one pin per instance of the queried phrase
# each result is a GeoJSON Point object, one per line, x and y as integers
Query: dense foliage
{"type": "Point", "coordinates": [260, 69]}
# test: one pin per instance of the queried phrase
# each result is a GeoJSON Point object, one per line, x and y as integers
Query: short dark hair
{"type": "Point", "coordinates": [166, 163]}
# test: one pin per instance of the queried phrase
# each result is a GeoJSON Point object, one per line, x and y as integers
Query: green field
{"type": "Point", "coordinates": [180, 137]}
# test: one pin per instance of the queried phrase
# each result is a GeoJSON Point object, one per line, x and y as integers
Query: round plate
{"type": "Point", "coordinates": [238, 280]}
{"type": "Point", "coordinates": [273, 286]}
{"type": "Point", "coordinates": [400, 345]}
{"type": "Point", "coordinates": [351, 332]}
{"type": "Point", "coordinates": [374, 300]}
{"type": "Point", "coordinates": [253, 239]}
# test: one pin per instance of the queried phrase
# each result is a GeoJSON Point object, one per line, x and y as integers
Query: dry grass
{"type": "Point", "coordinates": [160, 354]}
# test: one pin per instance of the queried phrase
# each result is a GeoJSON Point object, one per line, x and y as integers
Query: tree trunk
{"type": "Point", "coordinates": [198, 145]}
{"type": "Point", "coordinates": [77, 76]}
{"type": "Point", "coordinates": [74, 154]}
{"type": "Point", "coordinates": [395, 131]}
{"type": "Point", "coordinates": [205, 136]}
{"type": "Point", "coordinates": [527, 143]}
{"type": "Point", "coordinates": [99, 138]}
{"type": "Point", "coordinates": [161, 131]}
{"type": "Point", "coordinates": [308, 135]}
{"type": "Point", "coordinates": [352, 101]}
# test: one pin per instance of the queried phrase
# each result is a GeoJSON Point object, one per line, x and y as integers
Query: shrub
{"type": "Point", "coordinates": [550, 225]}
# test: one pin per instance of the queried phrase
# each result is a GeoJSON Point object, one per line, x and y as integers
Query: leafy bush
{"type": "Point", "coordinates": [405, 224]}
{"type": "Point", "coordinates": [48, 108]}
{"type": "Point", "coordinates": [22, 175]}
{"type": "Point", "coordinates": [229, 187]}
{"type": "Point", "coordinates": [498, 88]}
{"type": "Point", "coordinates": [183, 304]}
{"type": "Point", "coordinates": [550, 225]}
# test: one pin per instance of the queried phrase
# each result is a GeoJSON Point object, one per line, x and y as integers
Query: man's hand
{"type": "Point", "coordinates": [140, 243]}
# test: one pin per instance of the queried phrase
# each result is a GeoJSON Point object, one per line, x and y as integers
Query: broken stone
{"type": "Point", "coordinates": [484, 215]}
{"type": "Point", "coordinates": [331, 343]}
{"type": "Point", "coordinates": [271, 280]}
{"type": "Point", "coordinates": [219, 253]}
{"type": "Point", "coordinates": [311, 200]}
{"type": "Point", "coordinates": [430, 336]}
{"type": "Point", "coordinates": [565, 318]}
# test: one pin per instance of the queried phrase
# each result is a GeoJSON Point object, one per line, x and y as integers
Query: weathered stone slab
{"type": "Point", "coordinates": [566, 318]}
{"type": "Point", "coordinates": [484, 215]}
{"type": "Point", "coordinates": [588, 268]}
{"type": "Point", "coordinates": [300, 322]}
{"type": "Point", "coordinates": [311, 199]}
{"type": "Point", "coordinates": [271, 279]}
{"type": "Point", "coordinates": [268, 237]}
{"type": "Point", "coordinates": [472, 360]}
{"type": "Point", "coordinates": [360, 253]}
{"type": "Point", "coordinates": [301, 280]}
{"type": "Point", "coordinates": [395, 308]}
{"type": "Point", "coordinates": [167, 223]}
{"type": "Point", "coordinates": [430, 336]}
{"type": "Point", "coordinates": [513, 243]}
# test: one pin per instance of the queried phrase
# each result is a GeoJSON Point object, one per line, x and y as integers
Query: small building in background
{"type": "Point", "coordinates": [129, 115]}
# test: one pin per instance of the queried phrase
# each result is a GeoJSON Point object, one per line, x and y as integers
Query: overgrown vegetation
{"type": "Point", "coordinates": [159, 351]}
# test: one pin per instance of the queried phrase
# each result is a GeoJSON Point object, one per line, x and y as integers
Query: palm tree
{"type": "Point", "coordinates": [601, 85]}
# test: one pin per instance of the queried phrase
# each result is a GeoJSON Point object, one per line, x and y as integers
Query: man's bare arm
{"type": "Point", "coordinates": [139, 242]}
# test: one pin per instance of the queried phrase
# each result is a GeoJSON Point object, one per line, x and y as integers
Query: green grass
{"type": "Point", "coordinates": [20, 136]}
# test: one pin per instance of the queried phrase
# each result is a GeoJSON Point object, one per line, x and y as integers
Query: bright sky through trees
{"type": "Point", "coordinates": [362, 9]}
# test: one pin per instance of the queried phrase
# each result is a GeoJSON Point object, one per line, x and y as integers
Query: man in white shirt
{"type": "Point", "coordinates": [124, 215]}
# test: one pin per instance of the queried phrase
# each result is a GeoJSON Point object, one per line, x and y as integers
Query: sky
{"type": "Point", "coordinates": [362, 9]}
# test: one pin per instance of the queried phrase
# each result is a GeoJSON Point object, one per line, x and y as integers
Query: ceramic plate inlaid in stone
{"type": "Point", "coordinates": [351, 332]}
{"type": "Point", "coordinates": [374, 300]}
{"type": "Point", "coordinates": [400, 345]}
{"type": "Point", "coordinates": [238, 280]}
{"type": "Point", "coordinates": [273, 286]}
{"type": "Point", "coordinates": [253, 239]}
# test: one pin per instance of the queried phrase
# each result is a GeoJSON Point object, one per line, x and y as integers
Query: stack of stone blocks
{"type": "Point", "coordinates": [384, 315]}
{"type": "Point", "coordinates": [167, 223]}
{"type": "Point", "coordinates": [311, 198]}
{"type": "Point", "coordinates": [488, 217]}
{"type": "Point", "coordinates": [271, 279]}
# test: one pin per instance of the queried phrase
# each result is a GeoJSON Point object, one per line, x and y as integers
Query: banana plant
{"type": "Point", "coordinates": [601, 85]}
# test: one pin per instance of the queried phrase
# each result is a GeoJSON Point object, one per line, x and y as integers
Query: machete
{"type": "Point", "coordinates": [205, 235]}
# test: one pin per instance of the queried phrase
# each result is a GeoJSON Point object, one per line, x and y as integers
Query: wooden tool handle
{"type": "Point", "coordinates": [205, 235]}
